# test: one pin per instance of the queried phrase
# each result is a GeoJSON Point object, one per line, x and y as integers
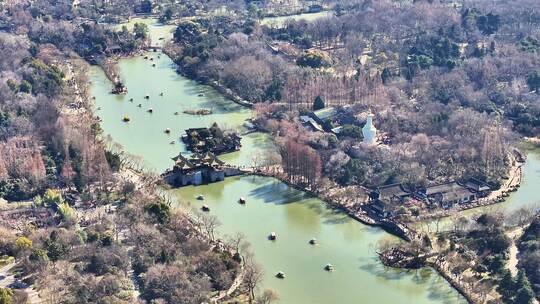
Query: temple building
{"type": "Point", "coordinates": [384, 200]}
{"type": "Point", "coordinates": [369, 131]}
{"type": "Point", "coordinates": [447, 195]}
{"type": "Point", "coordinates": [200, 168]}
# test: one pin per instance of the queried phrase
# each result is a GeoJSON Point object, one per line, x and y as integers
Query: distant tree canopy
{"type": "Point", "coordinates": [160, 210]}
{"type": "Point", "coordinates": [529, 248]}
{"type": "Point", "coordinates": [351, 131]}
{"type": "Point", "coordinates": [140, 30]}
{"type": "Point", "coordinates": [113, 159]}
{"type": "Point", "coordinates": [431, 50]}
{"type": "Point", "coordinates": [145, 6]}
{"type": "Point", "coordinates": [487, 23]}
{"type": "Point", "coordinates": [529, 44]}
{"type": "Point", "coordinates": [533, 81]}
{"type": "Point", "coordinates": [187, 32]}
{"type": "Point", "coordinates": [314, 59]}
{"type": "Point", "coordinates": [6, 296]}
{"type": "Point", "coordinates": [166, 15]}
{"type": "Point", "coordinates": [318, 103]}
{"type": "Point", "coordinates": [45, 79]}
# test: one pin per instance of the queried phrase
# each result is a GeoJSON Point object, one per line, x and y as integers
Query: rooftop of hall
{"type": "Point", "coordinates": [477, 185]}
{"type": "Point", "coordinates": [197, 160]}
{"type": "Point", "coordinates": [325, 113]}
{"type": "Point", "coordinates": [444, 187]}
{"type": "Point", "coordinates": [457, 194]}
{"type": "Point", "coordinates": [391, 190]}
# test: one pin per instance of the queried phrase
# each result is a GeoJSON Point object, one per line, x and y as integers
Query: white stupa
{"type": "Point", "coordinates": [369, 131]}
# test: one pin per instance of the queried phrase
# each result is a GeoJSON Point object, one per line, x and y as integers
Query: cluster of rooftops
{"type": "Point", "coordinates": [316, 120]}
{"type": "Point", "coordinates": [196, 161]}
{"type": "Point", "coordinates": [328, 119]}
{"type": "Point", "coordinates": [385, 199]}
{"type": "Point", "coordinates": [211, 139]}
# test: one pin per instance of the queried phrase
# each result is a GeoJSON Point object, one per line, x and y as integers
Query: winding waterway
{"type": "Point", "coordinates": [271, 205]}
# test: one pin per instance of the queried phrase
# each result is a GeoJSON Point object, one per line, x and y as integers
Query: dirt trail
{"type": "Point", "coordinates": [7, 279]}
{"type": "Point", "coordinates": [513, 260]}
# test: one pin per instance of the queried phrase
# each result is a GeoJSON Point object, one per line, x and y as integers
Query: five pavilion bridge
{"type": "Point", "coordinates": [200, 168]}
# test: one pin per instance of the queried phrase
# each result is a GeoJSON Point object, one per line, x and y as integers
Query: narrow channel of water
{"type": "Point", "coordinates": [271, 205]}
{"type": "Point", "coordinates": [159, 33]}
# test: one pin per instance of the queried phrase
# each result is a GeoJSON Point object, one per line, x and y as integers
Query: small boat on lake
{"type": "Point", "coordinates": [205, 208]}
{"type": "Point", "coordinates": [161, 94]}
{"type": "Point", "coordinates": [176, 113]}
{"type": "Point", "coordinates": [139, 105]}
{"type": "Point", "coordinates": [168, 131]}
{"type": "Point", "coordinates": [172, 142]}
{"type": "Point", "coordinates": [200, 197]}
{"type": "Point", "coordinates": [242, 200]}
{"type": "Point", "coordinates": [146, 96]}
{"type": "Point", "coordinates": [150, 110]}
{"type": "Point", "coordinates": [313, 241]}
{"type": "Point", "coordinates": [200, 95]}
{"type": "Point", "coordinates": [280, 275]}
{"type": "Point", "coordinates": [126, 118]}
{"type": "Point", "coordinates": [153, 64]}
{"type": "Point", "coordinates": [329, 267]}
{"type": "Point", "coordinates": [131, 99]}
{"type": "Point", "coordinates": [272, 236]}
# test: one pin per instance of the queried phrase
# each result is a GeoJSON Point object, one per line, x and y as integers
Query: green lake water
{"type": "Point", "coordinates": [157, 32]}
{"type": "Point", "coordinates": [349, 246]}
{"type": "Point", "coordinates": [271, 205]}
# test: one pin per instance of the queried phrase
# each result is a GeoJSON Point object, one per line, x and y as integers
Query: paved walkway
{"type": "Point", "coordinates": [512, 262]}
{"type": "Point", "coordinates": [7, 279]}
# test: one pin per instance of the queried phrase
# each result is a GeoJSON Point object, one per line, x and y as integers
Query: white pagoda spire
{"type": "Point", "coordinates": [369, 131]}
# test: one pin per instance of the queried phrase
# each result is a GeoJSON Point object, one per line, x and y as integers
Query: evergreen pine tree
{"type": "Point", "coordinates": [318, 103]}
{"type": "Point", "coordinates": [506, 286]}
